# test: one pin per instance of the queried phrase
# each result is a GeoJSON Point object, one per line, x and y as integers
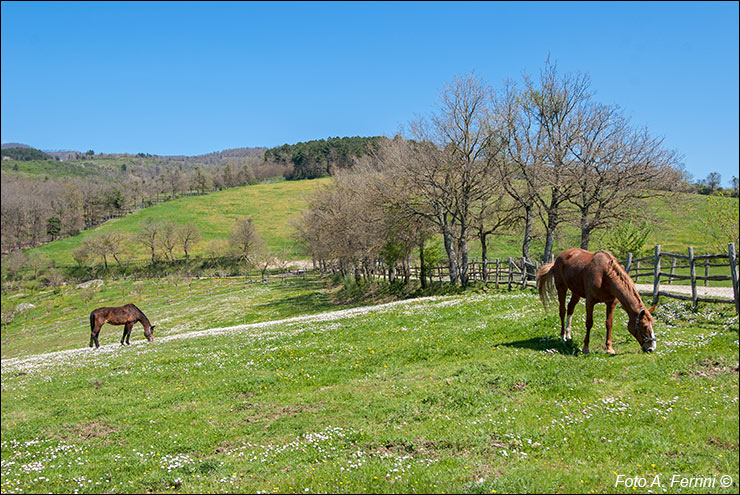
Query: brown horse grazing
{"type": "Point", "coordinates": [126, 315]}
{"type": "Point", "coordinates": [599, 278]}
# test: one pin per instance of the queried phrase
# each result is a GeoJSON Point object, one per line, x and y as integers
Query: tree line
{"type": "Point", "coordinates": [538, 152]}
{"type": "Point", "coordinates": [320, 158]}
{"type": "Point", "coordinates": [167, 245]}
{"type": "Point", "coordinates": [38, 211]}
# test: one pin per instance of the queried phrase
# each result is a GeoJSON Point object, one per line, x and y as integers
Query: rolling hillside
{"type": "Point", "coordinates": [271, 205]}
{"type": "Point", "coordinates": [675, 222]}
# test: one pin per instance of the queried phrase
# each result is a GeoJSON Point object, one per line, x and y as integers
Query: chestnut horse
{"type": "Point", "coordinates": [127, 315]}
{"type": "Point", "coordinates": [599, 278]}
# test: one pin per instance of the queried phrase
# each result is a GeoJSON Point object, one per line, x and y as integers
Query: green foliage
{"type": "Point", "coordinates": [24, 154]}
{"type": "Point", "coordinates": [627, 237]}
{"type": "Point", "coordinates": [720, 223]}
{"type": "Point", "coordinates": [314, 159]}
{"type": "Point", "coordinates": [53, 227]}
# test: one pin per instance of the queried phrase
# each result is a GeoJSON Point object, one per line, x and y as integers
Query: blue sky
{"type": "Point", "coordinates": [191, 78]}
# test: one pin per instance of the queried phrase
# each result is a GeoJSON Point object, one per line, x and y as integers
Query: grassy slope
{"type": "Point", "coordinates": [271, 205]}
{"type": "Point", "coordinates": [173, 305]}
{"type": "Point", "coordinates": [458, 394]}
{"type": "Point", "coordinates": [676, 221]}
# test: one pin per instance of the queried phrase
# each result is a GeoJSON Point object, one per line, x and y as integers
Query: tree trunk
{"type": "Point", "coordinates": [422, 268]}
{"type": "Point", "coordinates": [484, 254]}
{"type": "Point", "coordinates": [527, 229]}
{"type": "Point", "coordinates": [585, 236]}
{"type": "Point", "coordinates": [549, 241]}
{"type": "Point", "coordinates": [451, 254]}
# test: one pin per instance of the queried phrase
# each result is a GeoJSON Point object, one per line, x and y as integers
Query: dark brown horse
{"type": "Point", "coordinates": [127, 315]}
{"type": "Point", "coordinates": [599, 278]}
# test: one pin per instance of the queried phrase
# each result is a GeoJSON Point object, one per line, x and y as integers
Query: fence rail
{"type": "Point", "coordinates": [659, 275]}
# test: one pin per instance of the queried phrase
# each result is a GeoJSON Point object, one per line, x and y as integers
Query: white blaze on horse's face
{"type": "Point", "coordinates": [645, 334]}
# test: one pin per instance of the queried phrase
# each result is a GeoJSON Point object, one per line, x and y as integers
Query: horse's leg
{"type": "Point", "coordinates": [92, 330]}
{"type": "Point", "coordinates": [609, 318]}
{"type": "Point", "coordinates": [129, 327]}
{"type": "Point", "coordinates": [96, 332]}
{"type": "Point", "coordinates": [562, 293]}
{"type": "Point", "coordinates": [589, 322]}
{"type": "Point", "coordinates": [571, 308]}
{"type": "Point", "coordinates": [125, 332]}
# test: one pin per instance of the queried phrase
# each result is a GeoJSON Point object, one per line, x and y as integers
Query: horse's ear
{"type": "Point", "coordinates": [639, 317]}
{"type": "Point", "coordinates": [152, 327]}
{"type": "Point", "coordinates": [652, 309]}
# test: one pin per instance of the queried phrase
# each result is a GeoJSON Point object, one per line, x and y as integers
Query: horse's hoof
{"type": "Point", "coordinates": [585, 350]}
{"type": "Point", "coordinates": [611, 351]}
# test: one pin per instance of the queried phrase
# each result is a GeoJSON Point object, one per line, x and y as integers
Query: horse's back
{"type": "Point", "coordinates": [116, 315]}
{"type": "Point", "coordinates": [584, 272]}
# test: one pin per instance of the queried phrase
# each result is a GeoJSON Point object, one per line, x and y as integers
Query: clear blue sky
{"type": "Point", "coordinates": [191, 78]}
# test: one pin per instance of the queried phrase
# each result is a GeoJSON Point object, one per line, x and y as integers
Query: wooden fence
{"type": "Point", "coordinates": [707, 261]}
{"type": "Point", "coordinates": [520, 273]}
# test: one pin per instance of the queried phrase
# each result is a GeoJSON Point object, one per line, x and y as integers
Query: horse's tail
{"type": "Point", "coordinates": [92, 321]}
{"type": "Point", "coordinates": [546, 283]}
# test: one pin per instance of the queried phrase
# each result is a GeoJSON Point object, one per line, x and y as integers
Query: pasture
{"type": "Point", "coordinates": [469, 393]}
{"type": "Point", "coordinates": [271, 205]}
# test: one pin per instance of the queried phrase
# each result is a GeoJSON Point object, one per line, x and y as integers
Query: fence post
{"type": "Point", "coordinates": [673, 268]}
{"type": "Point", "coordinates": [497, 268]}
{"type": "Point", "coordinates": [628, 265]}
{"type": "Point", "coordinates": [706, 272]}
{"type": "Point", "coordinates": [692, 272]}
{"type": "Point", "coordinates": [637, 271]}
{"type": "Point", "coordinates": [733, 274]}
{"type": "Point", "coordinates": [656, 271]}
{"type": "Point", "coordinates": [524, 273]}
{"type": "Point", "coordinates": [510, 273]}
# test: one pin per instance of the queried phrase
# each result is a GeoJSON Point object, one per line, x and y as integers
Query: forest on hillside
{"type": "Point", "coordinates": [322, 157]}
{"type": "Point", "coordinates": [47, 195]}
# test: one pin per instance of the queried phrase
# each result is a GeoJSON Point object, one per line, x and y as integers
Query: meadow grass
{"type": "Point", "coordinates": [468, 393]}
{"type": "Point", "coordinates": [60, 318]}
{"type": "Point", "coordinates": [272, 206]}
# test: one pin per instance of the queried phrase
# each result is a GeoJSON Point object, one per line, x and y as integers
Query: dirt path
{"type": "Point", "coordinates": [720, 292]}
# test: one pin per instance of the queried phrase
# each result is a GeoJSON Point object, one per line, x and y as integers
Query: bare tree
{"type": "Point", "coordinates": [148, 236]}
{"type": "Point", "coordinates": [550, 108]}
{"type": "Point", "coordinates": [448, 169]}
{"type": "Point", "coordinates": [713, 181]}
{"type": "Point", "coordinates": [244, 239]}
{"type": "Point", "coordinates": [614, 167]}
{"type": "Point", "coordinates": [168, 238]}
{"type": "Point", "coordinates": [188, 235]}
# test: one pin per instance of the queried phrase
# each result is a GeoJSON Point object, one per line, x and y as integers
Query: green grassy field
{"type": "Point", "coordinates": [272, 206]}
{"type": "Point", "coordinates": [470, 393]}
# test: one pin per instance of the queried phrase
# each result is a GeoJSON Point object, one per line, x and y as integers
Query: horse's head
{"type": "Point", "coordinates": [149, 333]}
{"type": "Point", "coordinates": [642, 330]}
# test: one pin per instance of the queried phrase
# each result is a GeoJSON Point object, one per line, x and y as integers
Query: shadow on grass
{"type": "Point", "coordinates": [304, 303]}
{"type": "Point", "coordinates": [552, 345]}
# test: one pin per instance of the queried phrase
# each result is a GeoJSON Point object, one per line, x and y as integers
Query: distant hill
{"type": "Point", "coordinates": [219, 156]}
{"type": "Point", "coordinates": [24, 154]}
{"type": "Point", "coordinates": [14, 145]}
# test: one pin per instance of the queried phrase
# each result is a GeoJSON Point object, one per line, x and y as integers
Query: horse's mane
{"type": "Point", "coordinates": [141, 313]}
{"type": "Point", "coordinates": [620, 275]}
